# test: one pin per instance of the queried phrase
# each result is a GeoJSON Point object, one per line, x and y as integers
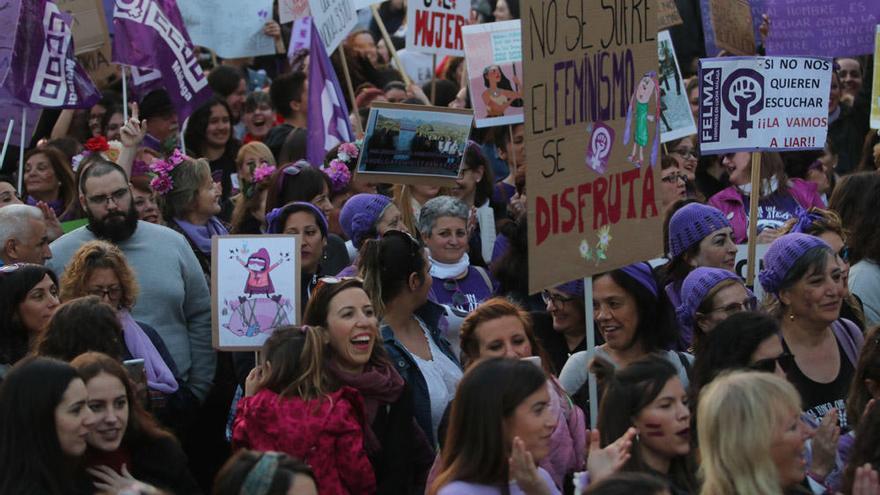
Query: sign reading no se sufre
{"type": "Point", "coordinates": [763, 103]}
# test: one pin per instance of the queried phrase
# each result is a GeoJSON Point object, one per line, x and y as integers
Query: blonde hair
{"type": "Point", "coordinates": [738, 416]}
{"type": "Point", "coordinates": [91, 256]}
{"type": "Point", "coordinates": [402, 196]}
{"type": "Point", "coordinates": [188, 178]}
{"type": "Point", "coordinates": [255, 148]}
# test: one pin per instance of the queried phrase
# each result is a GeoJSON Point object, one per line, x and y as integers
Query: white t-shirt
{"type": "Point", "coordinates": [442, 376]}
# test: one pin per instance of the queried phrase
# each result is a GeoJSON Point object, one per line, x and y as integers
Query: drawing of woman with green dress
{"type": "Point", "coordinates": [644, 113]}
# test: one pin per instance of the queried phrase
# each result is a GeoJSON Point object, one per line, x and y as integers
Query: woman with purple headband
{"type": "Point", "coordinates": [635, 319]}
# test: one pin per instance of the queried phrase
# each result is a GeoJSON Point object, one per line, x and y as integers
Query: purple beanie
{"type": "Point", "coordinates": [691, 224]}
{"type": "Point", "coordinates": [273, 219]}
{"type": "Point", "coordinates": [642, 273]}
{"type": "Point", "coordinates": [360, 214]}
{"type": "Point", "coordinates": [573, 288]}
{"type": "Point", "coordinates": [782, 255]}
{"type": "Point", "coordinates": [699, 282]}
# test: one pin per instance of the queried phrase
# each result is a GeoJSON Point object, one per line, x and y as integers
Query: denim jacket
{"type": "Point", "coordinates": [434, 317]}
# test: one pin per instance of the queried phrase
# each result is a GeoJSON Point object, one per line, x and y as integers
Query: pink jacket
{"type": "Point", "coordinates": [730, 202]}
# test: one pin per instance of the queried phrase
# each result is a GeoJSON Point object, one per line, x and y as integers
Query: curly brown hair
{"type": "Point", "coordinates": [93, 255]}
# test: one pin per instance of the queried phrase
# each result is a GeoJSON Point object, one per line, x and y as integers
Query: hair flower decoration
{"type": "Point", "coordinates": [98, 144]}
{"type": "Point", "coordinates": [338, 170]}
{"type": "Point", "coordinates": [162, 182]}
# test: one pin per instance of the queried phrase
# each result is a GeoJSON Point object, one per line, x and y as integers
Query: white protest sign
{"type": "Point", "coordinates": [291, 10]}
{"type": "Point", "coordinates": [333, 19]}
{"type": "Point", "coordinates": [494, 68]}
{"type": "Point", "coordinates": [742, 261]}
{"type": "Point", "coordinates": [676, 119]}
{"type": "Point", "coordinates": [763, 103]}
{"type": "Point", "coordinates": [231, 28]}
{"type": "Point", "coordinates": [434, 26]}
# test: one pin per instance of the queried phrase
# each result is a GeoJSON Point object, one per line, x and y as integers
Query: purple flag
{"type": "Point", "coordinates": [43, 71]}
{"type": "Point", "coordinates": [150, 34]}
{"type": "Point", "coordinates": [328, 123]}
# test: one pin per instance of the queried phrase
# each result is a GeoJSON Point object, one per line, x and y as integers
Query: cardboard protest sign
{"type": "Point", "coordinates": [676, 119]}
{"type": "Point", "coordinates": [254, 288]}
{"type": "Point", "coordinates": [90, 31]}
{"type": "Point", "coordinates": [875, 85]}
{"type": "Point", "coordinates": [291, 10]}
{"type": "Point", "coordinates": [434, 26]}
{"type": "Point", "coordinates": [231, 28]}
{"type": "Point", "coordinates": [667, 14]}
{"type": "Point", "coordinates": [827, 28]}
{"type": "Point", "coordinates": [732, 26]}
{"type": "Point", "coordinates": [592, 116]}
{"type": "Point", "coordinates": [333, 19]}
{"type": "Point", "coordinates": [414, 144]}
{"type": "Point", "coordinates": [763, 103]}
{"type": "Point", "coordinates": [98, 64]}
{"type": "Point", "coordinates": [494, 66]}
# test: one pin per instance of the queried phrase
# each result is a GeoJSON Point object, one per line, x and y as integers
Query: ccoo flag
{"type": "Point", "coordinates": [150, 34]}
{"type": "Point", "coordinates": [42, 70]}
{"type": "Point", "coordinates": [327, 122]}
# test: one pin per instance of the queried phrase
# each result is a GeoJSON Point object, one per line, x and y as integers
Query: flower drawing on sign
{"type": "Point", "coordinates": [586, 253]}
{"type": "Point", "coordinates": [599, 253]}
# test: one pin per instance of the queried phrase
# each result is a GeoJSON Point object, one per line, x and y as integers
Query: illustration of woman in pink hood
{"type": "Point", "coordinates": [258, 267]}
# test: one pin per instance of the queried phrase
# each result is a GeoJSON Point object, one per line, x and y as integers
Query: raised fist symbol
{"type": "Point", "coordinates": [743, 94]}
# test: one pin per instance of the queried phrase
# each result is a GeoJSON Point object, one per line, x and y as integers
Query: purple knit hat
{"type": "Point", "coordinates": [699, 282]}
{"type": "Point", "coordinates": [273, 219]}
{"type": "Point", "coordinates": [642, 273]}
{"type": "Point", "coordinates": [573, 288]}
{"type": "Point", "coordinates": [782, 255]}
{"type": "Point", "coordinates": [691, 224]}
{"type": "Point", "coordinates": [360, 214]}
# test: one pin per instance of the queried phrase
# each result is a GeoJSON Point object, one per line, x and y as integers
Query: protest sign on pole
{"type": "Point", "coordinates": [231, 28]}
{"type": "Point", "coordinates": [826, 28]}
{"type": "Point", "coordinates": [493, 53]}
{"type": "Point", "coordinates": [732, 25]}
{"type": "Point", "coordinates": [875, 85]}
{"type": "Point", "coordinates": [333, 19]}
{"type": "Point", "coordinates": [592, 137]}
{"type": "Point", "coordinates": [434, 26]}
{"type": "Point", "coordinates": [676, 118]}
{"type": "Point", "coordinates": [667, 14]}
{"type": "Point", "coordinates": [291, 10]}
{"type": "Point", "coordinates": [90, 31]}
{"type": "Point", "coordinates": [763, 103]}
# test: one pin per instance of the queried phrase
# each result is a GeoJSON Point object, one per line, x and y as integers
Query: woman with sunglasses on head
{"type": "Point", "coordinates": [28, 299]}
{"type": "Point", "coordinates": [802, 277]}
{"type": "Point", "coordinates": [397, 278]}
{"type": "Point", "coordinates": [709, 296]}
{"type": "Point", "coordinates": [443, 224]}
{"type": "Point", "coordinates": [398, 450]}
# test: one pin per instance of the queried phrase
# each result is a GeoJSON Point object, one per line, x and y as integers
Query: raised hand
{"type": "Point", "coordinates": [602, 463]}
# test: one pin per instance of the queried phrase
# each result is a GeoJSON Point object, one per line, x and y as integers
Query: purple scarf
{"type": "Point", "coordinates": [201, 235]}
{"type": "Point", "coordinates": [159, 376]}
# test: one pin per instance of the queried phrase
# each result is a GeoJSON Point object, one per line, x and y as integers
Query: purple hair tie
{"type": "Point", "coordinates": [641, 272]}
{"type": "Point", "coordinates": [805, 220]}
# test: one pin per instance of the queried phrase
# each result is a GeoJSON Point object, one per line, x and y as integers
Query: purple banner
{"type": "Point", "coordinates": [8, 17]}
{"type": "Point", "coordinates": [11, 109]}
{"type": "Point", "coordinates": [327, 121]}
{"type": "Point", "coordinates": [43, 70]}
{"type": "Point", "coordinates": [708, 31]}
{"type": "Point", "coordinates": [827, 28]}
{"type": "Point", "coordinates": [150, 34]}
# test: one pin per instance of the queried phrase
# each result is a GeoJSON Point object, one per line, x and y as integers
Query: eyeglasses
{"type": "Point", "coordinates": [104, 200]}
{"type": "Point", "coordinates": [669, 179]}
{"type": "Point", "coordinates": [111, 292]}
{"type": "Point", "coordinates": [458, 297]}
{"type": "Point", "coordinates": [335, 280]}
{"type": "Point", "coordinates": [749, 304]}
{"type": "Point", "coordinates": [769, 365]}
{"type": "Point", "coordinates": [844, 254]}
{"type": "Point", "coordinates": [557, 299]}
{"type": "Point", "coordinates": [685, 152]}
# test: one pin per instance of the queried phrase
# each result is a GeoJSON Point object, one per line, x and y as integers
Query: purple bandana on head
{"type": "Point", "coordinates": [641, 272]}
{"type": "Point", "coordinates": [42, 71]}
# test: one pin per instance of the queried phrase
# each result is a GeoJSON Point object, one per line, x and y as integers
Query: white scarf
{"type": "Point", "coordinates": [447, 270]}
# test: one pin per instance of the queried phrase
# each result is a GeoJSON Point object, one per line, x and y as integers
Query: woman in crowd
{"type": "Point", "coordinates": [397, 448]}
{"type": "Point", "coordinates": [48, 179]}
{"type": "Point", "coordinates": [685, 154]}
{"type": "Point", "coordinates": [499, 428]}
{"type": "Point", "coordinates": [649, 395]}
{"type": "Point", "coordinates": [367, 216]}
{"type": "Point", "coordinates": [82, 325]}
{"type": "Point", "coordinates": [779, 198]}
{"type": "Point", "coordinates": [310, 223]}
{"type": "Point", "coordinates": [826, 225]}
{"type": "Point", "coordinates": [766, 453]}
{"type": "Point", "coordinates": [409, 200]}
{"type": "Point", "coordinates": [44, 420]}
{"type": "Point", "coordinates": [209, 136]}
{"type": "Point", "coordinates": [474, 189]}
{"type": "Point", "coordinates": [443, 224]}
{"type": "Point", "coordinates": [565, 335]}
{"type": "Point", "coordinates": [397, 278]}
{"type": "Point", "coordinates": [258, 118]}
{"type": "Point", "coordinates": [802, 277]}
{"type": "Point", "coordinates": [289, 408]}
{"type": "Point", "coordinates": [301, 182]}
{"type": "Point", "coordinates": [673, 183]}
{"type": "Point", "coordinates": [847, 127]}
{"type": "Point", "coordinates": [191, 205]}
{"type": "Point", "coordinates": [255, 167]}
{"type": "Point", "coordinates": [8, 193]}
{"type": "Point", "coordinates": [126, 442]}
{"type": "Point", "coordinates": [634, 318]}
{"type": "Point", "coordinates": [28, 299]}
{"type": "Point", "coordinates": [273, 472]}
{"type": "Point", "coordinates": [99, 269]}
{"type": "Point", "coordinates": [498, 328]}
{"type": "Point", "coordinates": [709, 296]}
{"type": "Point", "coordinates": [146, 201]}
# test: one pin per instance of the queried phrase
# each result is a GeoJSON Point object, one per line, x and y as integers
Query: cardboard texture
{"type": "Point", "coordinates": [732, 24]}
{"type": "Point", "coordinates": [667, 14]}
{"type": "Point", "coordinates": [591, 187]}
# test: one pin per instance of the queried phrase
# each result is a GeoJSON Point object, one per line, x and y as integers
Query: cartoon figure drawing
{"type": "Point", "coordinates": [647, 87]}
{"type": "Point", "coordinates": [259, 281]}
{"type": "Point", "coordinates": [499, 94]}
{"type": "Point", "coordinates": [249, 316]}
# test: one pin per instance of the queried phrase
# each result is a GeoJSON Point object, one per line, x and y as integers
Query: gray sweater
{"type": "Point", "coordinates": [174, 297]}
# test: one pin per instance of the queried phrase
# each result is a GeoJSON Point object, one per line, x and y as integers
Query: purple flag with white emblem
{"type": "Point", "coordinates": [150, 34]}
{"type": "Point", "coordinates": [42, 70]}
{"type": "Point", "coordinates": [328, 123]}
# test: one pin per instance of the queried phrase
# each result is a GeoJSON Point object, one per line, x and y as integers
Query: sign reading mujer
{"type": "Point", "coordinates": [763, 103]}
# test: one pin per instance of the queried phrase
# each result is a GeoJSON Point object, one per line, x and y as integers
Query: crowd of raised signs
{"type": "Point", "coordinates": [423, 364]}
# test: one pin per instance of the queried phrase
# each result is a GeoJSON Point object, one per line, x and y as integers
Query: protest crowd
{"type": "Point", "coordinates": [419, 333]}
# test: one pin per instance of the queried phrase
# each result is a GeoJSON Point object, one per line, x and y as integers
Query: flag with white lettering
{"type": "Point", "coordinates": [150, 34]}
{"type": "Point", "coordinates": [328, 123]}
{"type": "Point", "coordinates": [42, 69]}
